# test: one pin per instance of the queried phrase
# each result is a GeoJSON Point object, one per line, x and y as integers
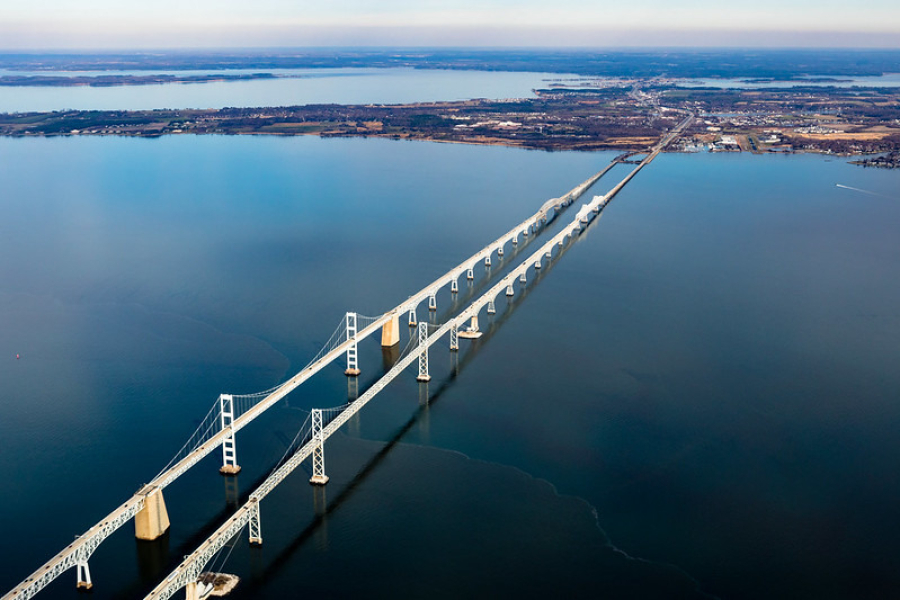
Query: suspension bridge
{"type": "Point", "coordinates": [232, 412]}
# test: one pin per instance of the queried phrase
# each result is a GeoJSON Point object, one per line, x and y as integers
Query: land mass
{"type": "Point", "coordinates": [627, 115]}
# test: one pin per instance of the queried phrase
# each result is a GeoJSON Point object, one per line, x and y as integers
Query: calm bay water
{"type": "Point", "coordinates": [698, 399]}
{"type": "Point", "coordinates": [300, 86]}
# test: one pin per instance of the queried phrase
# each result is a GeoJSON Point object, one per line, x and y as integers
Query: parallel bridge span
{"type": "Point", "coordinates": [187, 574]}
{"type": "Point", "coordinates": [149, 498]}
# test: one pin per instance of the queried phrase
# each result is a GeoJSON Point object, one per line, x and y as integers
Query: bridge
{"type": "Point", "coordinates": [221, 424]}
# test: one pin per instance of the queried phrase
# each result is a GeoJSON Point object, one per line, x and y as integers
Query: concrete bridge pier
{"type": "Point", "coordinates": [522, 278]}
{"type": "Point", "coordinates": [537, 264]}
{"type": "Point", "coordinates": [390, 332]}
{"type": "Point", "coordinates": [454, 286]}
{"type": "Point", "coordinates": [190, 591]}
{"type": "Point", "coordinates": [500, 251]}
{"type": "Point", "coordinates": [470, 274]}
{"type": "Point", "coordinates": [471, 332]}
{"type": "Point", "coordinates": [487, 260]}
{"type": "Point", "coordinates": [83, 575]}
{"type": "Point", "coordinates": [432, 303]}
{"type": "Point", "coordinates": [491, 309]}
{"type": "Point", "coordinates": [515, 240]}
{"type": "Point", "coordinates": [509, 290]}
{"type": "Point", "coordinates": [153, 520]}
{"type": "Point", "coordinates": [412, 317]}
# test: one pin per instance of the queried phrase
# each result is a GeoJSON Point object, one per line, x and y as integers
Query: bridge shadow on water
{"type": "Point", "coordinates": [326, 509]}
{"type": "Point", "coordinates": [157, 558]}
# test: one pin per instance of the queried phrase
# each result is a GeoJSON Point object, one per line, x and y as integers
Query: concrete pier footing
{"type": "Point", "coordinates": [153, 520]}
{"type": "Point", "coordinates": [318, 479]}
{"type": "Point", "coordinates": [230, 469]}
{"type": "Point", "coordinates": [390, 332]}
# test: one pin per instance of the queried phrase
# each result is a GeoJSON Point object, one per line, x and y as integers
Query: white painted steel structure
{"type": "Point", "coordinates": [79, 551]}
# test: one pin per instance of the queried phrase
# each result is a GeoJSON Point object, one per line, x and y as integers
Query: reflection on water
{"type": "Point", "coordinates": [711, 368]}
{"type": "Point", "coordinates": [304, 86]}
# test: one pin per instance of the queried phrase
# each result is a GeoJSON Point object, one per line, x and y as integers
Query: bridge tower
{"type": "Point", "coordinates": [318, 477]}
{"type": "Point", "coordinates": [423, 353]}
{"type": "Point", "coordinates": [229, 448]}
{"type": "Point", "coordinates": [352, 365]}
{"type": "Point", "coordinates": [454, 337]}
{"type": "Point", "coordinates": [255, 525]}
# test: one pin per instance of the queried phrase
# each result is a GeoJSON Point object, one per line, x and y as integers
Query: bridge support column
{"type": "Point", "coordinates": [255, 525]}
{"type": "Point", "coordinates": [471, 332]}
{"type": "Point", "coordinates": [491, 309]}
{"type": "Point", "coordinates": [549, 254]}
{"type": "Point", "coordinates": [412, 317]}
{"type": "Point", "coordinates": [423, 354]}
{"type": "Point", "coordinates": [432, 303]}
{"type": "Point", "coordinates": [454, 286]}
{"type": "Point", "coordinates": [522, 278]}
{"type": "Point", "coordinates": [229, 447]}
{"type": "Point", "coordinates": [352, 365]}
{"type": "Point", "coordinates": [487, 260]}
{"type": "Point", "coordinates": [454, 338]}
{"type": "Point", "coordinates": [470, 274]}
{"type": "Point", "coordinates": [190, 591]}
{"type": "Point", "coordinates": [537, 264]}
{"type": "Point", "coordinates": [515, 240]}
{"type": "Point", "coordinates": [318, 477]}
{"type": "Point", "coordinates": [390, 332]}
{"type": "Point", "coordinates": [509, 289]}
{"type": "Point", "coordinates": [500, 251]}
{"type": "Point", "coordinates": [153, 520]}
{"type": "Point", "coordinates": [83, 574]}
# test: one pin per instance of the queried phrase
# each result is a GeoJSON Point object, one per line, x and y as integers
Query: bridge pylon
{"type": "Point", "coordinates": [352, 364]}
{"type": "Point", "coordinates": [454, 338]}
{"type": "Point", "coordinates": [254, 523]}
{"type": "Point", "coordinates": [229, 446]}
{"type": "Point", "coordinates": [423, 354]}
{"type": "Point", "coordinates": [318, 477]}
{"type": "Point", "coordinates": [83, 574]}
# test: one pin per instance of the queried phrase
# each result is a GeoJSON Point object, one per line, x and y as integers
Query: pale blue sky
{"type": "Point", "coordinates": [598, 23]}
